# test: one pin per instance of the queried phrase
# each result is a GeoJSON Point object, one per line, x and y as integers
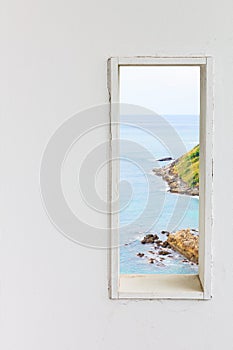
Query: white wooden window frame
{"type": "Point", "coordinates": [164, 286]}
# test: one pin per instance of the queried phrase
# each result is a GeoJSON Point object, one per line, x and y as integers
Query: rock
{"type": "Point", "coordinates": [186, 243]}
{"type": "Point", "coordinates": [163, 232]}
{"type": "Point", "coordinates": [158, 171]}
{"type": "Point", "coordinates": [165, 159]}
{"type": "Point", "coordinates": [140, 255]}
{"type": "Point", "coordinates": [189, 243]}
{"type": "Point", "coordinates": [151, 261]}
{"type": "Point", "coordinates": [166, 178]}
{"type": "Point", "coordinates": [151, 252]}
{"type": "Point", "coordinates": [149, 239]}
{"type": "Point", "coordinates": [165, 244]}
{"type": "Point", "coordinates": [163, 252]}
{"type": "Point", "coordinates": [149, 235]}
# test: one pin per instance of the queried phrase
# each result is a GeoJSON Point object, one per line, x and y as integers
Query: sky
{"type": "Point", "coordinates": [166, 90]}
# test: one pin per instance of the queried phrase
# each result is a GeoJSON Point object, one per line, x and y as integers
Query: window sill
{"type": "Point", "coordinates": [160, 287]}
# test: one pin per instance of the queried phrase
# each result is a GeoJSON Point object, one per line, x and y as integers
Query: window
{"type": "Point", "coordinates": [160, 177]}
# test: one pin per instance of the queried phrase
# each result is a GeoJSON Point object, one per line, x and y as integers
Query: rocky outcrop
{"type": "Point", "coordinates": [151, 261]}
{"type": "Point", "coordinates": [175, 183]}
{"type": "Point", "coordinates": [163, 252]}
{"type": "Point", "coordinates": [149, 238]}
{"type": "Point", "coordinates": [164, 159]}
{"type": "Point", "coordinates": [182, 175]}
{"type": "Point", "coordinates": [186, 243]}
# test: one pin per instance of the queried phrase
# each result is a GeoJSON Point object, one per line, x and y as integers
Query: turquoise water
{"type": "Point", "coordinates": [146, 206]}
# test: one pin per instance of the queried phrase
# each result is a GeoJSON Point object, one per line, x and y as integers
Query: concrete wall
{"type": "Point", "coordinates": [53, 292]}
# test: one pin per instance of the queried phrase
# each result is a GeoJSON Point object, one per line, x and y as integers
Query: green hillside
{"type": "Point", "coordinates": [187, 167]}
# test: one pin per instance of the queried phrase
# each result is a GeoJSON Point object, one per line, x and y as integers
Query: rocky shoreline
{"type": "Point", "coordinates": [185, 242]}
{"type": "Point", "coordinates": [175, 183]}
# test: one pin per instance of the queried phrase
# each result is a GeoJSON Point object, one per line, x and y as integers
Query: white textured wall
{"type": "Point", "coordinates": [53, 61]}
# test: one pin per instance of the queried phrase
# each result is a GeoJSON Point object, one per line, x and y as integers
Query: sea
{"type": "Point", "coordinates": [146, 205]}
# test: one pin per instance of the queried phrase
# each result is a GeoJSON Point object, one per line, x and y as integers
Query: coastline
{"type": "Point", "coordinates": [158, 257]}
{"type": "Point", "coordinates": [182, 241]}
{"type": "Point", "coordinates": [161, 251]}
{"type": "Point", "coordinates": [175, 183]}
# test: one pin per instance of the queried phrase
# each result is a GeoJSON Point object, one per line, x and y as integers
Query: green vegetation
{"type": "Point", "coordinates": [187, 167]}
